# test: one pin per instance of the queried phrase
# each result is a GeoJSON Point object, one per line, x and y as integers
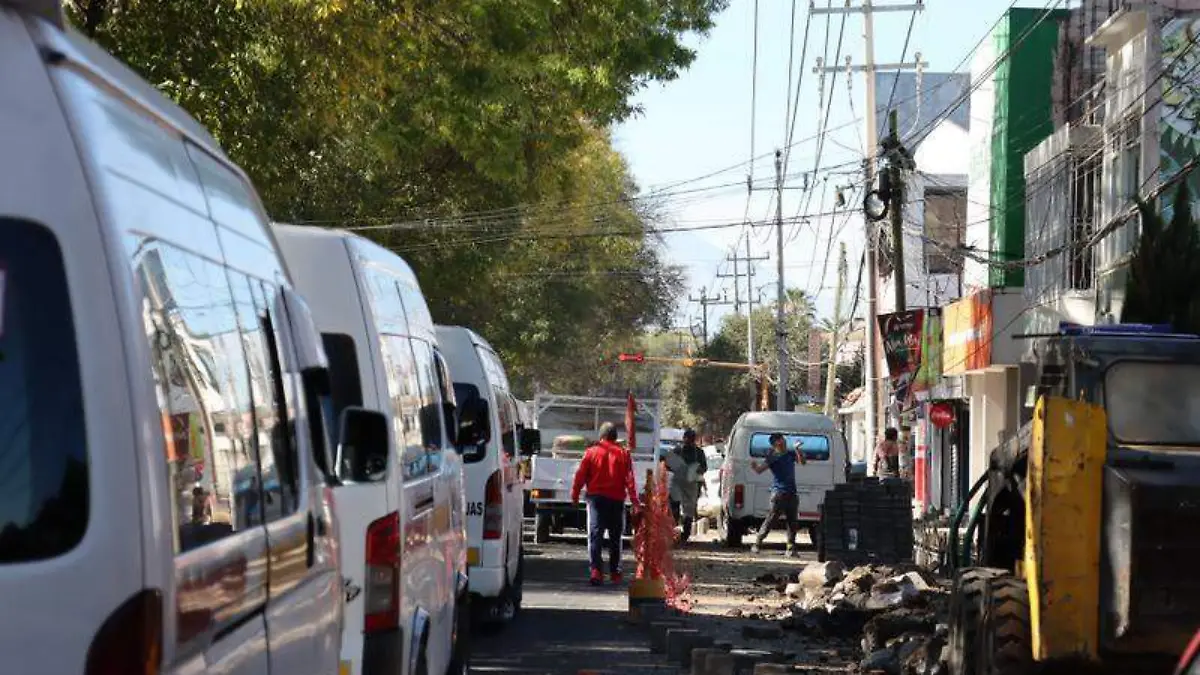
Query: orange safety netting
{"type": "Point", "coordinates": [654, 540]}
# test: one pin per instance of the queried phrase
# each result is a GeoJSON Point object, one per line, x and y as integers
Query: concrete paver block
{"type": "Point", "coordinates": [681, 642]}
{"type": "Point", "coordinates": [745, 660]}
{"type": "Point", "coordinates": [720, 663]}
{"type": "Point", "coordinates": [700, 657]}
{"type": "Point", "coordinates": [658, 635]}
{"type": "Point", "coordinates": [771, 669]}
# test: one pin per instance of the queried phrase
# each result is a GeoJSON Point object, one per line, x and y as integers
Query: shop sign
{"type": "Point", "coordinates": [901, 333]}
{"type": "Point", "coordinates": [930, 369]}
{"type": "Point", "coordinates": [967, 341]}
{"type": "Point", "coordinates": [941, 415]}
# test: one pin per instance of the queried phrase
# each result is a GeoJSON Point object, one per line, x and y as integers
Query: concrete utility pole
{"type": "Point", "coordinates": [867, 9]}
{"type": "Point", "coordinates": [737, 295]}
{"type": "Point", "coordinates": [781, 399]}
{"type": "Point", "coordinates": [830, 404]}
{"type": "Point", "coordinates": [896, 166]}
{"type": "Point", "coordinates": [737, 306]}
{"type": "Point", "coordinates": [705, 300]}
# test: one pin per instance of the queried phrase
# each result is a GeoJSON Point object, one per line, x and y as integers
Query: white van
{"type": "Point", "coordinates": [746, 495]}
{"type": "Point", "coordinates": [495, 494]}
{"type": "Point", "coordinates": [401, 502]}
{"type": "Point", "coordinates": [163, 506]}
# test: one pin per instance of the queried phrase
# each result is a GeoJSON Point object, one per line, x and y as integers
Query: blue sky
{"type": "Point", "coordinates": [700, 124]}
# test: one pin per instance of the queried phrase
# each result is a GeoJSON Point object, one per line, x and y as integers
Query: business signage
{"type": "Point", "coordinates": [901, 333]}
{"type": "Point", "coordinates": [967, 336]}
{"type": "Point", "coordinates": [930, 369]}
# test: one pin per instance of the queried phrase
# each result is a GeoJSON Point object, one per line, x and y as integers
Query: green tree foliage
{"type": "Point", "coordinates": [1165, 270]}
{"type": "Point", "coordinates": [382, 114]}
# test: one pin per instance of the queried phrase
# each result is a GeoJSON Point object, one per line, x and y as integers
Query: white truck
{"type": "Point", "coordinates": [568, 424]}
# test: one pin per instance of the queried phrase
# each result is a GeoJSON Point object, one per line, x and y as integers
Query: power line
{"type": "Point", "coordinates": [912, 20]}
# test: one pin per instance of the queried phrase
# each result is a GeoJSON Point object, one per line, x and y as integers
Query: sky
{"type": "Point", "coordinates": [691, 144]}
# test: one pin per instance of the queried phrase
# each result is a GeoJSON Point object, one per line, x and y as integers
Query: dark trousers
{"type": "Point", "coordinates": [783, 505]}
{"type": "Point", "coordinates": [605, 514]}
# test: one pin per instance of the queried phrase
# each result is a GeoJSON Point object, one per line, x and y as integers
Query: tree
{"type": "Point", "coordinates": [1164, 272]}
{"type": "Point", "coordinates": [490, 117]}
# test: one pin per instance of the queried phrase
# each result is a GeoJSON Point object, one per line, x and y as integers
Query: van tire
{"type": "Point", "coordinates": [731, 531]}
{"type": "Point", "coordinates": [541, 528]}
{"type": "Point", "coordinates": [518, 586]}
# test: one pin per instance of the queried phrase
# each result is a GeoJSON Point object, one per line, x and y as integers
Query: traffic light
{"type": "Point", "coordinates": [636, 357]}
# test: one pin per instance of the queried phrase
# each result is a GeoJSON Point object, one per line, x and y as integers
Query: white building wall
{"type": "Point", "coordinates": [979, 190]}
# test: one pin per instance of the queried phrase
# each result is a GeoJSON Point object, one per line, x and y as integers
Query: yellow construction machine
{"type": "Point", "coordinates": [1088, 519]}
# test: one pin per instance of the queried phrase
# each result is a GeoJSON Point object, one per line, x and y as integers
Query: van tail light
{"type": "Point", "coordinates": [739, 496]}
{"type": "Point", "coordinates": [493, 507]}
{"type": "Point", "coordinates": [382, 587]}
{"type": "Point", "coordinates": [130, 639]}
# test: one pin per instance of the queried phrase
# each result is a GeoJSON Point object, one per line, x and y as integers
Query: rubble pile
{"type": "Point", "coordinates": [895, 612]}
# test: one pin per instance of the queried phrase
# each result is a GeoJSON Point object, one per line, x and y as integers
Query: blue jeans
{"type": "Point", "coordinates": [605, 514]}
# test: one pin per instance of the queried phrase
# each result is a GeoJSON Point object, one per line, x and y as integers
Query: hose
{"type": "Point", "coordinates": [956, 521]}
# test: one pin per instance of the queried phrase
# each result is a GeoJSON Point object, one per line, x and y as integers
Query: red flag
{"type": "Point", "coordinates": [630, 419]}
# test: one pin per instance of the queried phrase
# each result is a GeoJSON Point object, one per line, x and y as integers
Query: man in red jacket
{"type": "Point", "coordinates": [607, 473]}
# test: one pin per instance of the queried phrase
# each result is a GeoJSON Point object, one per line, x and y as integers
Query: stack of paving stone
{"type": "Point", "coordinates": [869, 521]}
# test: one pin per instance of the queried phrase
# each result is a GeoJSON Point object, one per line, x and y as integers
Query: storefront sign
{"type": "Point", "coordinates": [930, 369]}
{"type": "Point", "coordinates": [901, 333]}
{"type": "Point", "coordinates": [967, 342]}
{"type": "Point", "coordinates": [941, 415]}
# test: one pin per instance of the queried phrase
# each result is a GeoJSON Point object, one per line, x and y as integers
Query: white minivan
{"type": "Point", "coordinates": [746, 495]}
{"type": "Point", "coordinates": [401, 504]}
{"type": "Point", "coordinates": [164, 495]}
{"type": "Point", "coordinates": [495, 491]}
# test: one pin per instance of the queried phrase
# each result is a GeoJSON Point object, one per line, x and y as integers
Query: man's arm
{"type": "Point", "coordinates": [581, 474]}
{"type": "Point", "coordinates": [760, 467]}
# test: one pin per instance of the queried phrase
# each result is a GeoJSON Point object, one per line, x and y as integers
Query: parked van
{"type": "Point", "coordinates": [746, 495]}
{"type": "Point", "coordinates": [400, 505]}
{"type": "Point", "coordinates": [495, 490]}
{"type": "Point", "coordinates": [164, 504]}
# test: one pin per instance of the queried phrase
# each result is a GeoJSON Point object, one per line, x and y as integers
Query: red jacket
{"type": "Point", "coordinates": [607, 471]}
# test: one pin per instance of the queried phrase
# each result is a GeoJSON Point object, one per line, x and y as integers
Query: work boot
{"type": "Point", "coordinates": [597, 578]}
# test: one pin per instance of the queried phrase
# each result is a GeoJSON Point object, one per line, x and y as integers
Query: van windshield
{"type": "Point", "coordinates": [816, 446]}
{"type": "Point", "coordinates": [43, 443]}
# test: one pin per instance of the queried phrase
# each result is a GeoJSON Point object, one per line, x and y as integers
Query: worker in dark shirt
{"type": "Point", "coordinates": [782, 462]}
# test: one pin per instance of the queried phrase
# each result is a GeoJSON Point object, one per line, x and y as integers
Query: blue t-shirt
{"type": "Point", "coordinates": [783, 468]}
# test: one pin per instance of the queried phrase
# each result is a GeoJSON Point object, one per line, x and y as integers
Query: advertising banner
{"type": "Point", "coordinates": [930, 369]}
{"type": "Point", "coordinates": [901, 333]}
{"type": "Point", "coordinates": [967, 341]}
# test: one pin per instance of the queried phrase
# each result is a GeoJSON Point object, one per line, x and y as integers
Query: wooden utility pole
{"type": "Point", "coordinates": [834, 344]}
{"type": "Point", "coordinates": [868, 9]}
{"type": "Point", "coordinates": [705, 300]}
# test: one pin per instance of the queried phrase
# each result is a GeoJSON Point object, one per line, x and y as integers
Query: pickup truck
{"type": "Point", "coordinates": [570, 424]}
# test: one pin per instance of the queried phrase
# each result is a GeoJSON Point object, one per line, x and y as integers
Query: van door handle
{"type": "Point", "coordinates": [310, 555]}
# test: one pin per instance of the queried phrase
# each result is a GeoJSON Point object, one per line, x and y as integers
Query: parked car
{"type": "Point", "coordinates": [167, 463]}
{"type": "Point", "coordinates": [494, 488]}
{"type": "Point", "coordinates": [401, 504]}
{"type": "Point", "coordinates": [746, 495]}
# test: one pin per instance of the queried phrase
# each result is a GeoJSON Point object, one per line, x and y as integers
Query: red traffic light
{"type": "Point", "coordinates": [635, 358]}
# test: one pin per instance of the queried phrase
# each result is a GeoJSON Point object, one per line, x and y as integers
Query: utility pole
{"type": "Point", "coordinates": [899, 161]}
{"type": "Point", "coordinates": [868, 8]}
{"type": "Point", "coordinates": [830, 385]}
{"type": "Point", "coordinates": [705, 300]}
{"type": "Point", "coordinates": [737, 305]}
{"type": "Point", "coordinates": [781, 399]}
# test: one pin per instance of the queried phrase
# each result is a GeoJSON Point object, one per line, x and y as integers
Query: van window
{"type": "Point", "coordinates": [508, 421]}
{"type": "Point", "coordinates": [404, 389]}
{"type": "Point", "coordinates": [465, 394]}
{"type": "Point", "coordinates": [343, 374]}
{"type": "Point", "coordinates": [446, 389]}
{"type": "Point", "coordinates": [190, 319]}
{"type": "Point", "coordinates": [816, 446]}
{"type": "Point", "coordinates": [274, 426]}
{"type": "Point", "coordinates": [431, 403]}
{"type": "Point", "coordinates": [43, 442]}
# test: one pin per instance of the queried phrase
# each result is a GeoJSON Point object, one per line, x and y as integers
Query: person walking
{"type": "Point", "coordinates": [782, 462]}
{"type": "Point", "coordinates": [606, 472]}
{"type": "Point", "coordinates": [887, 454]}
{"type": "Point", "coordinates": [687, 466]}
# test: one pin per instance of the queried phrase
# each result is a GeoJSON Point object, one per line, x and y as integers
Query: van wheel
{"type": "Point", "coordinates": [460, 655]}
{"type": "Point", "coordinates": [541, 532]}
{"type": "Point", "coordinates": [518, 587]}
{"type": "Point", "coordinates": [731, 531]}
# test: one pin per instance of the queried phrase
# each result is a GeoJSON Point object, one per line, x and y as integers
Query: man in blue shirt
{"type": "Point", "coordinates": [782, 462]}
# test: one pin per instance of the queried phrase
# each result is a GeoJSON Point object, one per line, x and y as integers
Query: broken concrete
{"type": "Point", "coordinates": [825, 574]}
{"type": "Point", "coordinates": [882, 628]}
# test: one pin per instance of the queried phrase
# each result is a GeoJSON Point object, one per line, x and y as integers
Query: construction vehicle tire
{"type": "Point", "coordinates": [1005, 641]}
{"type": "Point", "coordinates": [967, 602]}
{"type": "Point", "coordinates": [541, 528]}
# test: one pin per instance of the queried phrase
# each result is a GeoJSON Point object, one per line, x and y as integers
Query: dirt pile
{"type": "Point", "coordinates": [895, 612]}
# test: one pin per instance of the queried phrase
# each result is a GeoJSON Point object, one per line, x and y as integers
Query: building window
{"type": "Point", "coordinates": [945, 215]}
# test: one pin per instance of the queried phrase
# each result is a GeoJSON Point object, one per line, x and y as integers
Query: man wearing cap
{"type": "Point", "coordinates": [782, 462]}
{"type": "Point", "coordinates": [687, 466]}
{"type": "Point", "coordinates": [606, 471]}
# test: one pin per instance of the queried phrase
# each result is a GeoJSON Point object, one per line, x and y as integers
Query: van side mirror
{"type": "Point", "coordinates": [531, 442]}
{"type": "Point", "coordinates": [474, 428]}
{"type": "Point", "coordinates": [362, 448]}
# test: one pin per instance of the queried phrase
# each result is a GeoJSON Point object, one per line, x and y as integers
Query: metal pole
{"type": "Point", "coordinates": [781, 402]}
{"type": "Point", "coordinates": [750, 327]}
{"type": "Point", "coordinates": [830, 407]}
{"type": "Point", "coordinates": [872, 270]}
